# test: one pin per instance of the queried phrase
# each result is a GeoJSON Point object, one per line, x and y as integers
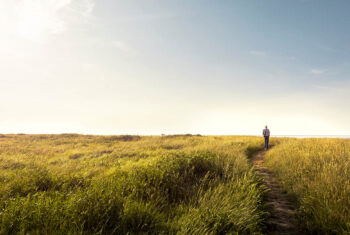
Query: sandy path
{"type": "Point", "coordinates": [280, 207]}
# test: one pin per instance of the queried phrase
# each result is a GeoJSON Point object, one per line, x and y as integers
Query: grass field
{"type": "Point", "coordinates": [73, 184]}
{"type": "Point", "coordinates": [77, 184]}
{"type": "Point", "coordinates": [316, 172]}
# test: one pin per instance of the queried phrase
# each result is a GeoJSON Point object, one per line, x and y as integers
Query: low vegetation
{"type": "Point", "coordinates": [74, 184]}
{"type": "Point", "coordinates": [180, 184]}
{"type": "Point", "coordinates": [316, 172]}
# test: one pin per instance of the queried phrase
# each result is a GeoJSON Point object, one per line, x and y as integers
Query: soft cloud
{"type": "Point", "coordinates": [35, 20]}
{"type": "Point", "coordinates": [318, 71]}
{"type": "Point", "coordinates": [257, 53]}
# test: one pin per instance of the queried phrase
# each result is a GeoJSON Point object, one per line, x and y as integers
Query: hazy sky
{"type": "Point", "coordinates": [184, 66]}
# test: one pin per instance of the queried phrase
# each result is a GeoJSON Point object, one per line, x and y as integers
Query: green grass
{"type": "Point", "coordinates": [317, 173]}
{"type": "Point", "coordinates": [73, 184]}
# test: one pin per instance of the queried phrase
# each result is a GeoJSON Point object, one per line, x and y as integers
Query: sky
{"type": "Point", "coordinates": [186, 66]}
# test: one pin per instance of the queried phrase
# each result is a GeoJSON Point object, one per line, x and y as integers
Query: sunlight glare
{"type": "Point", "coordinates": [37, 18]}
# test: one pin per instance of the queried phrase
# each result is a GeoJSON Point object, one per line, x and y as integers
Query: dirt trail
{"type": "Point", "coordinates": [280, 207]}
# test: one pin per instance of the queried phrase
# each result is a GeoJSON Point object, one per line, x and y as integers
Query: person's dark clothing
{"type": "Point", "coordinates": [266, 134]}
{"type": "Point", "coordinates": [266, 142]}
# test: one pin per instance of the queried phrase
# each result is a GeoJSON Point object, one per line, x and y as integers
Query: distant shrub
{"type": "Point", "coordinates": [180, 135]}
{"type": "Point", "coordinates": [69, 135]}
{"type": "Point", "coordinates": [124, 138]}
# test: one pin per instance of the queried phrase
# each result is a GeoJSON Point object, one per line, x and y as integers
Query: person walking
{"type": "Point", "coordinates": [266, 134]}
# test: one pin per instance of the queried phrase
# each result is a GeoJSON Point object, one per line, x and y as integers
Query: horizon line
{"type": "Point", "coordinates": [183, 134]}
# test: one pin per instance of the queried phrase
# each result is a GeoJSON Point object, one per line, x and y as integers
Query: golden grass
{"type": "Point", "coordinates": [73, 184]}
{"type": "Point", "coordinates": [317, 173]}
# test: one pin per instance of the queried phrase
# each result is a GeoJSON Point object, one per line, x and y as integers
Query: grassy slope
{"type": "Point", "coordinates": [112, 184]}
{"type": "Point", "coordinates": [317, 172]}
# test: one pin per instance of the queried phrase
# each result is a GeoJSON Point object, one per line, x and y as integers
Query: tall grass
{"type": "Point", "coordinates": [73, 184]}
{"type": "Point", "coordinates": [317, 173]}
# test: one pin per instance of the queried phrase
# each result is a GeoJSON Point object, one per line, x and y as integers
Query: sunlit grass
{"type": "Point", "coordinates": [73, 184]}
{"type": "Point", "coordinates": [317, 173]}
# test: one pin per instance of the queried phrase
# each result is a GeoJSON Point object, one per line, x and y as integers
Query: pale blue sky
{"type": "Point", "coordinates": [152, 67]}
